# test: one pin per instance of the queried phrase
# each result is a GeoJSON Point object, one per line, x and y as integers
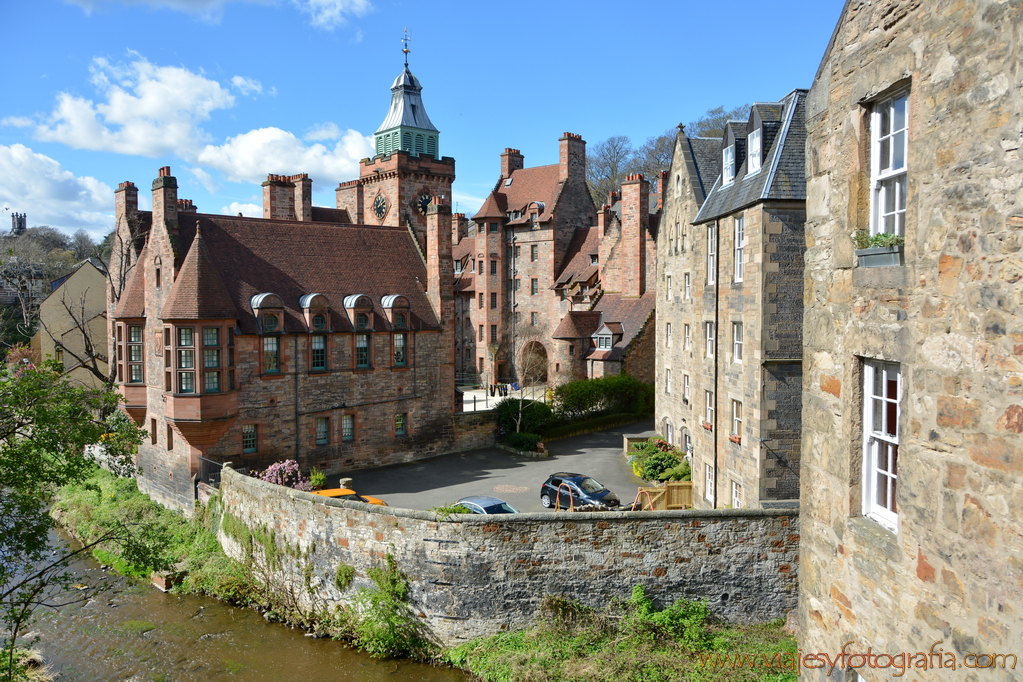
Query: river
{"type": "Point", "coordinates": [133, 632]}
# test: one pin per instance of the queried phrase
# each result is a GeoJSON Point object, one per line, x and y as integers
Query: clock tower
{"type": "Point", "coordinates": [397, 185]}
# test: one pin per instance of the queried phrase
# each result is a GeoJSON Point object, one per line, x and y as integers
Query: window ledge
{"type": "Point", "coordinates": [876, 539]}
{"type": "Point", "coordinates": [319, 371]}
{"type": "Point", "coordinates": [272, 375]}
{"type": "Point", "coordinates": [881, 257]}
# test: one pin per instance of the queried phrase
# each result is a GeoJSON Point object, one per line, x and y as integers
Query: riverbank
{"type": "Point", "coordinates": [630, 640]}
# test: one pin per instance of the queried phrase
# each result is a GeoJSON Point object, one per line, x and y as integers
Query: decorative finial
{"type": "Point", "coordinates": [404, 43]}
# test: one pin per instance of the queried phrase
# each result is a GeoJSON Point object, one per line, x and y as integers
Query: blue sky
{"type": "Point", "coordinates": [226, 91]}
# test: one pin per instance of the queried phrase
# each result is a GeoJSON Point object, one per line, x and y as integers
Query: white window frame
{"type": "Point", "coordinates": [687, 338]}
{"type": "Point", "coordinates": [711, 335]}
{"type": "Point", "coordinates": [709, 412]}
{"type": "Point", "coordinates": [667, 381]}
{"type": "Point", "coordinates": [728, 165]}
{"type": "Point", "coordinates": [669, 433]}
{"type": "Point", "coordinates": [685, 388]}
{"type": "Point", "coordinates": [688, 287]}
{"type": "Point", "coordinates": [887, 171]}
{"type": "Point", "coordinates": [739, 241]}
{"type": "Point", "coordinates": [668, 281]}
{"type": "Point", "coordinates": [736, 495]}
{"type": "Point", "coordinates": [708, 483]}
{"type": "Point", "coordinates": [736, 418]}
{"type": "Point", "coordinates": [881, 439]}
{"type": "Point", "coordinates": [737, 342]}
{"type": "Point", "coordinates": [667, 334]}
{"type": "Point", "coordinates": [754, 144]}
{"type": "Point", "coordinates": [712, 257]}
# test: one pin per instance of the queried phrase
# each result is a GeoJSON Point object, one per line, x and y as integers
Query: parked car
{"type": "Point", "coordinates": [575, 490]}
{"type": "Point", "coordinates": [347, 494]}
{"type": "Point", "coordinates": [484, 504]}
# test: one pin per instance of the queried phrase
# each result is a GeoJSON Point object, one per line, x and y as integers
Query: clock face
{"type": "Point", "coordinates": [380, 206]}
{"type": "Point", "coordinates": [423, 202]}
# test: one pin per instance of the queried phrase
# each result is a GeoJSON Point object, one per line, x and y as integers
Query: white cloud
{"type": "Point", "coordinates": [148, 110]}
{"type": "Point", "coordinates": [466, 203]}
{"type": "Point", "coordinates": [325, 14]}
{"type": "Point", "coordinates": [16, 121]}
{"type": "Point", "coordinates": [250, 156]}
{"type": "Point", "coordinates": [324, 131]}
{"type": "Point", "coordinates": [328, 14]}
{"type": "Point", "coordinates": [204, 178]}
{"type": "Point", "coordinates": [35, 184]}
{"type": "Point", "coordinates": [247, 86]}
{"type": "Point", "coordinates": [247, 210]}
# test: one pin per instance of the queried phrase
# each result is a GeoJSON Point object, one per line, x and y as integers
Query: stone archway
{"type": "Point", "coordinates": [533, 364]}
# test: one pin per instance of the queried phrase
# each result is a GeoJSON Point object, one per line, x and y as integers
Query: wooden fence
{"type": "Point", "coordinates": [674, 495]}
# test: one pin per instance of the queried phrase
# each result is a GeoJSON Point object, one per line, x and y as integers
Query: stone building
{"type": "Point", "coordinates": [913, 384]}
{"type": "Point", "coordinates": [549, 288]}
{"type": "Point", "coordinates": [73, 324]}
{"type": "Point", "coordinates": [732, 348]}
{"type": "Point", "coordinates": [297, 335]}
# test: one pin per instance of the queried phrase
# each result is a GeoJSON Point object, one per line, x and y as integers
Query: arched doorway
{"type": "Point", "coordinates": [533, 364]}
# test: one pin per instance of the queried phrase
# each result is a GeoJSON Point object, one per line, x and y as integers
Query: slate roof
{"type": "Point", "coordinates": [782, 172]}
{"type": "Point", "coordinates": [294, 258]}
{"type": "Point", "coordinates": [540, 183]}
{"type": "Point", "coordinates": [406, 104]}
{"type": "Point", "coordinates": [577, 324]}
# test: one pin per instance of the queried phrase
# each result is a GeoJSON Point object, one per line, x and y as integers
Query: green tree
{"type": "Point", "coordinates": [607, 164]}
{"type": "Point", "coordinates": [46, 424]}
{"type": "Point", "coordinates": [712, 124]}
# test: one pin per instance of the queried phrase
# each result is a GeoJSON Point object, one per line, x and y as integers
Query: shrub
{"type": "Point", "coordinates": [284, 473]}
{"type": "Point", "coordinates": [535, 415]}
{"type": "Point", "coordinates": [388, 626]}
{"type": "Point", "coordinates": [682, 472]}
{"type": "Point", "coordinates": [658, 463]}
{"type": "Point", "coordinates": [317, 479]}
{"type": "Point", "coordinates": [616, 393]}
{"type": "Point", "coordinates": [523, 441]}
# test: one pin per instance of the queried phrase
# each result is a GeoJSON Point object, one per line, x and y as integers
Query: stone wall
{"type": "Point", "coordinates": [474, 576]}
{"type": "Point", "coordinates": [948, 319]}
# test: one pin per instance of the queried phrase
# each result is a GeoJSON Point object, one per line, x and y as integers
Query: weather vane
{"type": "Point", "coordinates": [404, 42]}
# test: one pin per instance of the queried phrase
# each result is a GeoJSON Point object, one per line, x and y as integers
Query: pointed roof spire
{"type": "Point", "coordinates": [404, 46]}
{"type": "Point", "coordinates": [199, 292]}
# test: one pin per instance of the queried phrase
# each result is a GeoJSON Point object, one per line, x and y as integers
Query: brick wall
{"type": "Point", "coordinates": [474, 576]}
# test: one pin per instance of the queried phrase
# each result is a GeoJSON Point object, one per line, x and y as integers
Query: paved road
{"type": "Point", "coordinates": [442, 480]}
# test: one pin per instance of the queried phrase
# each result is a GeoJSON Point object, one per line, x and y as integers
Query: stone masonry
{"type": "Point", "coordinates": [938, 562]}
{"type": "Point", "coordinates": [474, 576]}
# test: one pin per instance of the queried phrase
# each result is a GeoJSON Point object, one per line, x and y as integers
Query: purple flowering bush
{"type": "Point", "coordinates": [285, 473]}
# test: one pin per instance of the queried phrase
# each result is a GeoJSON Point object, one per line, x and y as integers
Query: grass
{"type": "Point", "coordinates": [631, 641]}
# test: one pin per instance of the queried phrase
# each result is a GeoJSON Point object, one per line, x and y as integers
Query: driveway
{"type": "Point", "coordinates": [439, 481]}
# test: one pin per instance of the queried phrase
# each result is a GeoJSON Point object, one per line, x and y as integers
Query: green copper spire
{"type": "Point", "coordinates": [407, 127]}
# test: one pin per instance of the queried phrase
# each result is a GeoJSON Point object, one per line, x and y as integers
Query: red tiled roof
{"type": "Point", "coordinates": [493, 207]}
{"type": "Point", "coordinates": [584, 243]}
{"type": "Point", "coordinates": [577, 324]}
{"type": "Point", "coordinates": [630, 313]}
{"type": "Point", "coordinates": [465, 282]}
{"type": "Point", "coordinates": [540, 183]}
{"type": "Point", "coordinates": [133, 299]}
{"type": "Point", "coordinates": [294, 258]}
{"type": "Point", "coordinates": [322, 214]}
{"type": "Point", "coordinates": [198, 292]}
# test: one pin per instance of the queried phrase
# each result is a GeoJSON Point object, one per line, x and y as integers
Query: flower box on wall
{"type": "Point", "coordinates": [708, 426]}
{"type": "Point", "coordinates": [880, 256]}
{"type": "Point", "coordinates": [734, 438]}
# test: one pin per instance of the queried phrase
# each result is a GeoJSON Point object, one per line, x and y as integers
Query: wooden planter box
{"type": "Point", "coordinates": [880, 256]}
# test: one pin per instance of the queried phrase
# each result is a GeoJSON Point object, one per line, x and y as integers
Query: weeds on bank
{"type": "Point", "coordinates": [630, 641]}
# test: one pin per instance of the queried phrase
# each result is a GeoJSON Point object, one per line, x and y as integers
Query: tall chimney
{"type": "Point", "coordinates": [303, 196]}
{"type": "Point", "coordinates": [511, 161]}
{"type": "Point", "coordinates": [165, 200]}
{"type": "Point", "coordinates": [635, 220]}
{"type": "Point", "coordinates": [278, 198]}
{"type": "Point", "coordinates": [572, 157]}
{"type": "Point", "coordinates": [440, 287]}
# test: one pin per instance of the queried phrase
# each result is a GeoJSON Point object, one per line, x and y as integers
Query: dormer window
{"type": "Point", "coordinates": [400, 321]}
{"type": "Point", "coordinates": [593, 259]}
{"type": "Point", "coordinates": [604, 342]}
{"type": "Point", "coordinates": [319, 321]}
{"type": "Point", "coordinates": [270, 322]}
{"type": "Point", "coordinates": [754, 146]}
{"type": "Point", "coordinates": [361, 321]}
{"type": "Point", "coordinates": [728, 165]}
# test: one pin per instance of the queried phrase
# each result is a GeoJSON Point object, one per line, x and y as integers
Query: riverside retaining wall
{"type": "Point", "coordinates": [473, 576]}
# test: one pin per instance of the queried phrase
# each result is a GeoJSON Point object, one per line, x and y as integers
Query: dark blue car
{"type": "Point", "coordinates": [566, 489]}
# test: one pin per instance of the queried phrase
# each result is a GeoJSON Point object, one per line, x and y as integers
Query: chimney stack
{"type": "Point", "coordinates": [662, 188]}
{"type": "Point", "coordinates": [303, 196]}
{"type": "Point", "coordinates": [635, 220]}
{"type": "Point", "coordinates": [511, 161]}
{"type": "Point", "coordinates": [165, 200]}
{"type": "Point", "coordinates": [279, 198]}
{"type": "Point", "coordinates": [572, 157]}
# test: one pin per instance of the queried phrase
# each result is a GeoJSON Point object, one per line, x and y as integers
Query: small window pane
{"type": "Point", "coordinates": [348, 427]}
{"type": "Point", "coordinates": [249, 439]}
{"type": "Point", "coordinates": [185, 336]}
{"type": "Point", "coordinates": [400, 424]}
{"type": "Point", "coordinates": [211, 358]}
{"type": "Point", "coordinates": [211, 336]}
{"type": "Point", "coordinates": [135, 374]}
{"type": "Point", "coordinates": [319, 359]}
{"type": "Point", "coordinates": [186, 382]}
{"type": "Point", "coordinates": [134, 334]}
{"type": "Point", "coordinates": [186, 359]}
{"type": "Point", "coordinates": [271, 358]}
{"type": "Point", "coordinates": [322, 430]}
{"type": "Point", "coordinates": [212, 382]}
{"type": "Point", "coordinates": [362, 350]}
{"type": "Point", "coordinates": [400, 354]}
